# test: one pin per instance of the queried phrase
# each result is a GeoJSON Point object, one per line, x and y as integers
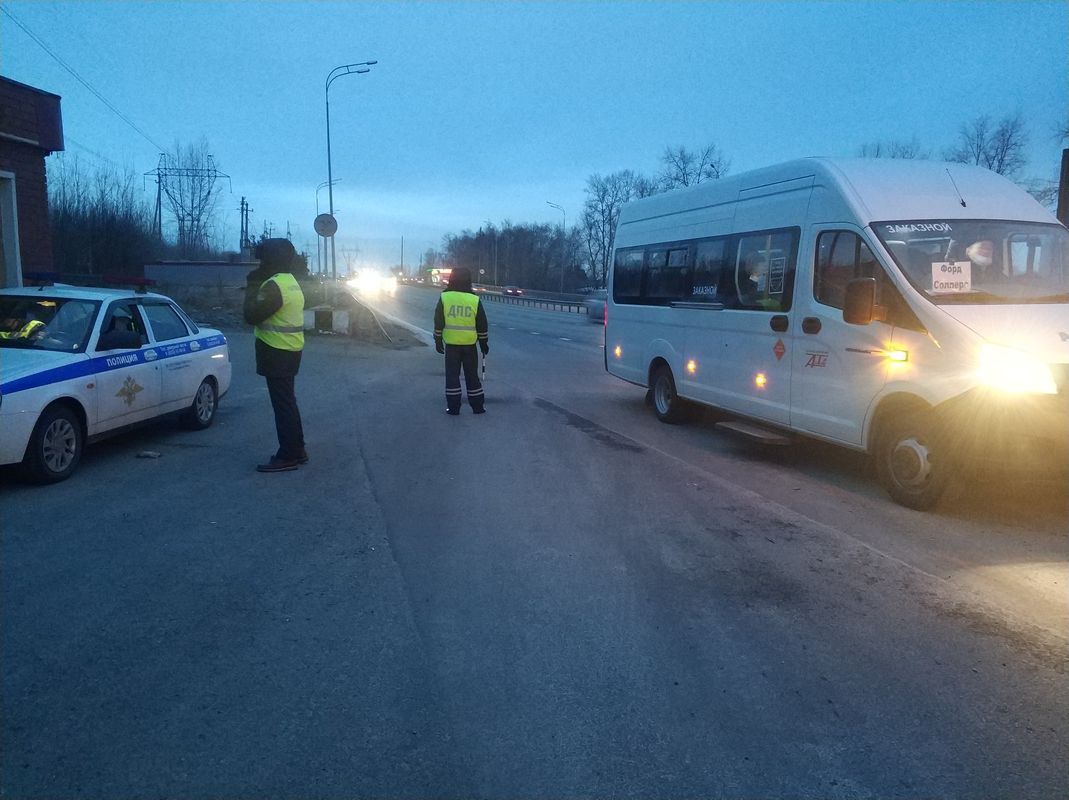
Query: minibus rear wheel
{"type": "Point", "coordinates": [911, 464]}
{"type": "Point", "coordinates": [666, 403]}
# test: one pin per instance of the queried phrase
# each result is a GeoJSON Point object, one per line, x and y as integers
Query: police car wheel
{"type": "Point", "coordinates": [55, 446]}
{"type": "Point", "coordinates": [201, 412]}
{"type": "Point", "coordinates": [911, 462]}
{"type": "Point", "coordinates": [666, 403]}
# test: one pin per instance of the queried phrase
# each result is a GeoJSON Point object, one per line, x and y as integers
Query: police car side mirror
{"type": "Point", "coordinates": [860, 305]}
{"type": "Point", "coordinates": [119, 340]}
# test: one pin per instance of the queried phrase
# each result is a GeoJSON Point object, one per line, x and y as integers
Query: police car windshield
{"type": "Point", "coordinates": [990, 262]}
{"type": "Point", "coordinates": [46, 323]}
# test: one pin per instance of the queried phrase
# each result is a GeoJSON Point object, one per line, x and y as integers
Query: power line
{"type": "Point", "coordinates": [71, 140]}
{"type": "Point", "coordinates": [80, 79]}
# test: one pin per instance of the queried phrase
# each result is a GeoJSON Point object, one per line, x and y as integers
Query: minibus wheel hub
{"type": "Point", "coordinates": [663, 397]}
{"type": "Point", "coordinates": [910, 463]}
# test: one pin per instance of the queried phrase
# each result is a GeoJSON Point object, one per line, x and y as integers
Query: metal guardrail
{"type": "Point", "coordinates": [546, 301]}
{"type": "Point", "coordinates": [568, 306]}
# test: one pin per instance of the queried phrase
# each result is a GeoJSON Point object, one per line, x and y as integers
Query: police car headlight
{"type": "Point", "coordinates": [1014, 371]}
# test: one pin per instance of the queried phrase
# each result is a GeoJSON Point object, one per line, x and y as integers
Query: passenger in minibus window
{"type": "Point", "coordinates": [753, 285]}
{"type": "Point", "coordinates": [982, 255]}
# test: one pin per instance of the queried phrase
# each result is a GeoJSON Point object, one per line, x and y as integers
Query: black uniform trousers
{"type": "Point", "coordinates": [466, 356]}
{"type": "Point", "coordinates": [287, 418]}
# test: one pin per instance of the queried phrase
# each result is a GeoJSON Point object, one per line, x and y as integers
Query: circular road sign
{"type": "Point", "coordinates": [325, 225]}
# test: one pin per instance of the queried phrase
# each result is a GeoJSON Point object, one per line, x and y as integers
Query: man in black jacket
{"type": "Point", "coordinates": [274, 303]}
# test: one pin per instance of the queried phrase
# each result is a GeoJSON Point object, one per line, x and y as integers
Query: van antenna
{"type": "Point", "coordinates": [956, 189]}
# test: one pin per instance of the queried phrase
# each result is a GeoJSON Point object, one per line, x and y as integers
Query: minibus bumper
{"type": "Point", "coordinates": [1022, 433]}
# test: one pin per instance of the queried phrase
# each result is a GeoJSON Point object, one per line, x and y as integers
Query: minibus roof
{"type": "Point", "coordinates": [874, 189]}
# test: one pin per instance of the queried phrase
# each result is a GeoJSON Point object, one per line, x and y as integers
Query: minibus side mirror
{"type": "Point", "coordinates": [860, 305]}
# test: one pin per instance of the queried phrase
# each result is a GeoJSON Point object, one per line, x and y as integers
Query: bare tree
{"type": "Point", "coordinates": [98, 222]}
{"type": "Point", "coordinates": [999, 148]}
{"type": "Point", "coordinates": [601, 211]}
{"type": "Point", "coordinates": [681, 167]}
{"type": "Point", "coordinates": [894, 148]}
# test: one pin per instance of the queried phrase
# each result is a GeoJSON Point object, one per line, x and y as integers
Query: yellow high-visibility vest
{"type": "Point", "coordinates": [460, 309]}
{"type": "Point", "coordinates": [284, 330]}
{"type": "Point", "coordinates": [25, 331]}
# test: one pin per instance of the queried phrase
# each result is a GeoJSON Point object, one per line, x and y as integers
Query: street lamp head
{"type": "Point", "coordinates": [361, 71]}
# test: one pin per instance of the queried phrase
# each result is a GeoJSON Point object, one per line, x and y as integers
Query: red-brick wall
{"type": "Point", "coordinates": [31, 194]}
{"type": "Point", "coordinates": [29, 114]}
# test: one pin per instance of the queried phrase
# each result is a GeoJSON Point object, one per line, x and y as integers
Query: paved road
{"type": "Point", "coordinates": [561, 598]}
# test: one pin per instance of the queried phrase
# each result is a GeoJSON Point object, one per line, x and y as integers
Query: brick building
{"type": "Point", "coordinates": [30, 129]}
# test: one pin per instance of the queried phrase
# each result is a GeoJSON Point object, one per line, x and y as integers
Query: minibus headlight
{"type": "Point", "coordinates": [1015, 371]}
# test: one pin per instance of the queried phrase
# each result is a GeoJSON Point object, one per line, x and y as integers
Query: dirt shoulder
{"type": "Point", "coordinates": [222, 308]}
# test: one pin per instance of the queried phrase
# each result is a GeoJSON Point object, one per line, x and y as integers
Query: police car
{"type": "Point", "coordinates": [78, 363]}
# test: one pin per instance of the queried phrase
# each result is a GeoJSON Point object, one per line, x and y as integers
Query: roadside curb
{"type": "Point", "coordinates": [423, 335]}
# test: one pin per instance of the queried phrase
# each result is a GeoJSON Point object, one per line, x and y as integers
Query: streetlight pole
{"type": "Point", "coordinates": [319, 239]}
{"type": "Point", "coordinates": [563, 243]}
{"type": "Point", "coordinates": [345, 69]}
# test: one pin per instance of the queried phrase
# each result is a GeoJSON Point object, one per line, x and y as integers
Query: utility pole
{"type": "Point", "coordinates": [244, 242]}
{"type": "Point", "coordinates": [1063, 190]}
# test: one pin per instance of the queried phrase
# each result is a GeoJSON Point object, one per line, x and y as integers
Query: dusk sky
{"type": "Point", "coordinates": [483, 112]}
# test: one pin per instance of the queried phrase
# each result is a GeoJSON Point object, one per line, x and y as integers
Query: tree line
{"type": "Point", "coordinates": [998, 145]}
{"type": "Point", "coordinates": [102, 225]}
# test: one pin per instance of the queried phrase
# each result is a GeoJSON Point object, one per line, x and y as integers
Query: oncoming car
{"type": "Point", "coordinates": [594, 303]}
{"type": "Point", "coordinates": [512, 290]}
{"type": "Point", "coordinates": [79, 363]}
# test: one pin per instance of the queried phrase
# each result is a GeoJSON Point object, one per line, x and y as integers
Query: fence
{"type": "Point", "coordinates": [546, 304]}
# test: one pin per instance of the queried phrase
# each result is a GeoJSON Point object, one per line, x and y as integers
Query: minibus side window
{"type": "Point", "coordinates": [764, 270]}
{"type": "Point", "coordinates": [627, 276]}
{"type": "Point", "coordinates": [667, 275]}
{"type": "Point", "coordinates": [710, 267]}
{"type": "Point", "coordinates": [656, 260]}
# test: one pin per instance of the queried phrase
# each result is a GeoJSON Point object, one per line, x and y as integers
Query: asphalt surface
{"type": "Point", "coordinates": [555, 599]}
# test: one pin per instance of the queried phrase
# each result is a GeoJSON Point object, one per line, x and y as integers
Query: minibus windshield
{"type": "Point", "coordinates": [981, 262]}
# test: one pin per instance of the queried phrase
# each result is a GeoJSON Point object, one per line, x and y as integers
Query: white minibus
{"type": "Point", "coordinates": [915, 310]}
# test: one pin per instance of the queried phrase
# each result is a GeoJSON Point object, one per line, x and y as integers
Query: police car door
{"type": "Point", "coordinates": [838, 368]}
{"type": "Point", "coordinates": [176, 356]}
{"type": "Point", "coordinates": [127, 380]}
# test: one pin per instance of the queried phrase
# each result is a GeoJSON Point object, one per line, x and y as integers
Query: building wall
{"type": "Point", "coordinates": [27, 163]}
{"type": "Point", "coordinates": [202, 274]}
{"type": "Point", "coordinates": [30, 129]}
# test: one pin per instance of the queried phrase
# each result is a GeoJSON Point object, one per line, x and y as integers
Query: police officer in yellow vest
{"type": "Point", "coordinates": [274, 303]}
{"type": "Point", "coordinates": [460, 322]}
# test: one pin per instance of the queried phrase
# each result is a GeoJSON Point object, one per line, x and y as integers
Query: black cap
{"type": "Point", "coordinates": [277, 255]}
{"type": "Point", "coordinates": [460, 279]}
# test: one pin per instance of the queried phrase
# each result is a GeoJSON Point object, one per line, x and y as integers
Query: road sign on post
{"type": "Point", "coordinates": [325, 225]}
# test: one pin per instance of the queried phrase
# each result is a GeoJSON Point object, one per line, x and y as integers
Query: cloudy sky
{"type": "Point", "coordinates": [485, 111]}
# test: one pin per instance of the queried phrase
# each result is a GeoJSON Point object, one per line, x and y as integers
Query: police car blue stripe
{"type": "Point", "coordinates": [95, 366]}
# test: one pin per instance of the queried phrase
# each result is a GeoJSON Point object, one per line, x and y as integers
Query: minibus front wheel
{"type": "Point", "coordinates": [911, 462]}
{"type": "Point", "coordinates": [666, 403]}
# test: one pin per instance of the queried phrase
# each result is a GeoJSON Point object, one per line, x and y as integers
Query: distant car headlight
{"type": "Point", "coordinates": [1014, 371]}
